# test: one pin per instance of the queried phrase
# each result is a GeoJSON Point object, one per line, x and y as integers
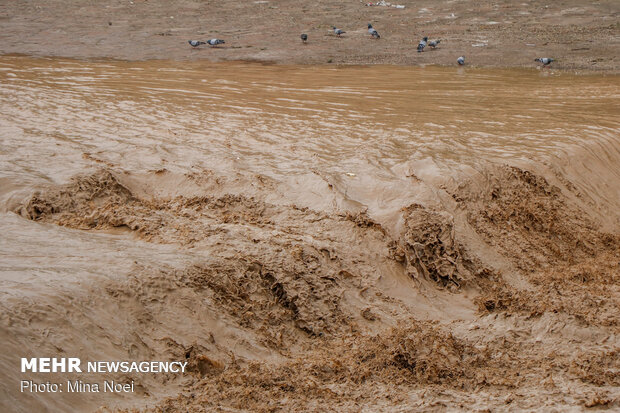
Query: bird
{"type": "Point", "coordinates": [215, 42]}
{"type": "Point", "coordinates": [546, 61]}
{"type": "Point", "coordinates": [373, 32]}
{"type": "Point", "coordinates": [433, 43]}
{"type": "Point", "coordinates": [304, 37]}
{"type": "Point", "coordinates": [338, 31]}
{"type": "Point", "coordinates": [461, 60]}
{"type": "Point", "coordinates": [422, 44]}
{"type": "Point", "coordinates": [195, 43]}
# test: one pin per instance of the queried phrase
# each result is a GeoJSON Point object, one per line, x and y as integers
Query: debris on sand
{"type": "Point", "coordinates": [385, 4]}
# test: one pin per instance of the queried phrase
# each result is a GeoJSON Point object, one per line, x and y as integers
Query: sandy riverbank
{"type": "Point", "coordinates": [582, 36]}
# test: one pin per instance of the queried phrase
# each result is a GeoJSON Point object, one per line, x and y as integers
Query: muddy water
{"type": "Point", "coordinates": [348, 124]}
{"type": "Point", "coordinates": [330, 138]}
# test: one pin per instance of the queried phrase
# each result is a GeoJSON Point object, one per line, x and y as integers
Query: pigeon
{"type": "Point", "coordinates": [433, 43]}
{"type": "Point", "coordinates": [338, 31]}
{"type": "Point", "coordinates": [195, 43]}
{"type": "Point", "coordinates": [422, 44]}
{"type": "Point", "coordinates": [304, 37]}
{"type": "Point", "coordinates": [546, 61]}
{"type": "Point", "coordinates": [373, 32]}
{"type": "Point", "coordinates": [215, 42]}
{"type": "Point", "coordinates": [461, 60]}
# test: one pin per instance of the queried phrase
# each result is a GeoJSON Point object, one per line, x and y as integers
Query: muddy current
{"type": "Point", "coordinates": [379, 238]}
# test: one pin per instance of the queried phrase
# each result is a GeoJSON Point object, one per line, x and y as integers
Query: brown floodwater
{"type": "Point", "coordinates": [286, 118]}
{"type": "Point", "coordinates": [361, 129]}
{"type": "Point", "coordinates": [366, 131]}
{"type": "Point", "coordinates": [355, 126]}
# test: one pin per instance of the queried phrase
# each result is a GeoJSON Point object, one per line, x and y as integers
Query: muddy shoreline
{"type": "Point", "coordinates": [582, 38]}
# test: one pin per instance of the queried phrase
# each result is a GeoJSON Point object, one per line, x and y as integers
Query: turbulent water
{"type": "Point", "coordinates": [355, 126]}
{"type": "Point", "coordinates": [278, 158]}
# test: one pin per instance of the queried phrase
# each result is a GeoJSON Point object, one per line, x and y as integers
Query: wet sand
{"type": "Point", "coordinates": [581, 36]}
{"type": "Point", "coordinates": [382, 238]}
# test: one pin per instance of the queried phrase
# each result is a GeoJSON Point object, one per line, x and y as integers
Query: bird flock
{"type": "Point", "coordinates": [211, 42]}
{"type": "Point", "coordinates": [545, 61]}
